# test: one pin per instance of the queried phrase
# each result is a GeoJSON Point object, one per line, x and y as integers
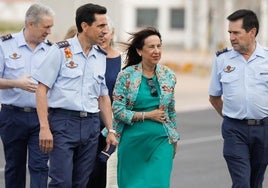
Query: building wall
{"type": "Point", "coordinates": [205, 20]}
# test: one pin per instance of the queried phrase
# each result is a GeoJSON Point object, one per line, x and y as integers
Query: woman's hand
{"type": "Point", "coordinates": [156, 115]}
{"type": "Point", "coordinates": [175, 149]}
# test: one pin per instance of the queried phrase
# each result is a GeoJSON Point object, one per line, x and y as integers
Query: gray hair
{"type": "Point", "coordinates": [111, 28]}
{"type": "Point", "coordinates": [110, 24]}
{"type": "Point", "coordinates": [36, 12]}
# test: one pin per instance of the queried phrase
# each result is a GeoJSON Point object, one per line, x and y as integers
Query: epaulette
{"type": "Point", "coordinates": [221, 51]}
{"type": "Point", "coordinates": [49, 43]}
{"type": "Point", "coordinates": [99, 49]}
{"type": "Point", "coordinates": [63, 44]}
{"type": "Point", "coordinates": [6, 37]}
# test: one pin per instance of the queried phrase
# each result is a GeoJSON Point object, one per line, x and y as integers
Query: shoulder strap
{"type": "Point", "coordinates": [221, 51]}
{"type": "Point", "coordinates": [63, 44]}
{"type": "Point", "coordinates": [6, 37]}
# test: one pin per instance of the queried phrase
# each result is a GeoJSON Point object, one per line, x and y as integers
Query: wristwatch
{"type": "Point", "coordinates": [111, 131]}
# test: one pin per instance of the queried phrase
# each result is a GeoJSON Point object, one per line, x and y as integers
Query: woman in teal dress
{"type": "Point", "coordinates": [144, 115]}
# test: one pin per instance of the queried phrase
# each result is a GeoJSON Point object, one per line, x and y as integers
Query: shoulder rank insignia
{"type": "Point", "coordinates": [63, 44]}
{"type": "Point", "coordinates": [6, 37]}
{"type": "Point", "coordinates": [221, 51]}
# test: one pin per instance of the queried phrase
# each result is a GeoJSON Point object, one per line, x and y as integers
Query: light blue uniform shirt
{"type": "Point", "coordinates": [243, 84]}
{"type": "Point", "coordinates": [17, 60]}
{"type": "Point", "coordinates": [75, 82]}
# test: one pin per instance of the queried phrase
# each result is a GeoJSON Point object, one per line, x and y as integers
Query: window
{"type": "Point", "coordinates": [147, 17]}
{"type": "Point", "coordinates": [177, 18]}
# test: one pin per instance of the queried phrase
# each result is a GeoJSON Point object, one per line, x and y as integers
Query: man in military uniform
{"type": "Point", "coordinates": [20, 55]}
{"type": "Point", "coordinates": [238, 92]}
{"type": "Point", "coordinates": [73, 76]}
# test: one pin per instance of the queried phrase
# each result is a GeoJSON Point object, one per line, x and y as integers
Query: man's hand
{"type": "Point", "coordinates": [45, 139]}
{"type": "Point", "coordinates": [26, 84]}
{"type": "Point", "coordinates": [111, 139]}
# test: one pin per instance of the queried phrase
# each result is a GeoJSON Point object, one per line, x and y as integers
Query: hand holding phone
{"type": "Point", "coordinates": [104, 155]}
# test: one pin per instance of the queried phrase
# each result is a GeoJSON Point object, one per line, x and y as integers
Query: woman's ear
{"type": "Point", "coordinates": [138, 52]}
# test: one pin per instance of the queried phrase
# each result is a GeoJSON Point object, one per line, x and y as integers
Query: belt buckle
{"type": "Point", "coordinates": [254, 122]}
{"type": "Point", "coordinates": [83, 114]}
{"type": "Point", "coordinates": [26, 109]}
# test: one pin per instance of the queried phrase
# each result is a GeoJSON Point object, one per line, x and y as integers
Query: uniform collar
{"type": "Point", "coordinates": [259, 51]}
{"type": "Point", "coordinates": [78, 49]}
{"type": "Point", "coordinates": [22, 41]}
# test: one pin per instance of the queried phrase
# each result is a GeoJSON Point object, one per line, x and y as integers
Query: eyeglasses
{"type": "Point", "coordinates": [150, 83]}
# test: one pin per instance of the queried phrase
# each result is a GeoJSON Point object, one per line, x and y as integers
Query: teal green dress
{"type": "Point", "coordinates": [145, 156]}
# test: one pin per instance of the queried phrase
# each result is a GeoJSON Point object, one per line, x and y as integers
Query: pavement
{"type": "Point", "coordinates": [193, 78]}
{"type": "Point", "coordinates": [191, 92]}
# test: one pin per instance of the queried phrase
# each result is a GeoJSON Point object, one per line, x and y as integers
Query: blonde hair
{"type": "Point", "coordinates": [71, 32]}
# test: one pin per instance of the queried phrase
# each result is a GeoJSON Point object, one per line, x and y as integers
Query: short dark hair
{"type": "Point", "coordinates": [86, 13]}
{"type": "Point", "coordinates": [250, 19]}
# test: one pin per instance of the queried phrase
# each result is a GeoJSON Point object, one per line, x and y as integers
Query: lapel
{"type": "Point", "coordinates": [135, 78]}
{"type": "Point", "coordinates": [161, 80]}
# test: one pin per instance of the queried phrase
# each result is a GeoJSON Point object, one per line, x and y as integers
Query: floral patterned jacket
{"type": "Point", "coordinates": [125, 94]}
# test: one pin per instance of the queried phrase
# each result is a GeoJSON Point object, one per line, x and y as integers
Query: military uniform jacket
{"type": "Point", "coordinates": [76, 81]}
{"type": "Point", "coordinates": [17, 60]}
{"type": "Point", "coordinates": [243, 84]}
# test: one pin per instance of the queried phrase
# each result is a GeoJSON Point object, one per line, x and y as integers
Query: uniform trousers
{"type": "Point", "coordinates": [75, 142]}
{"type": "Point", "coordinates": [245, 151]}
{"type": "Point", "coordinates": [20, 132]}
{"type": "Point", "coordinates": [97, 178]}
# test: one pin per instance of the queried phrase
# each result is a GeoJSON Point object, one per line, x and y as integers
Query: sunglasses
{"type": "Point", "coordinates": [150, 83]}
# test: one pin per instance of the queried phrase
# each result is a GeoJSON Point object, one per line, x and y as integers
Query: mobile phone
{"type": "Point", "coordinates": [104, 155]}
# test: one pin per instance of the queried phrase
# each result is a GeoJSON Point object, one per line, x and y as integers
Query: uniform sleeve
{"type": "Point", "coordinates": [215, 88]}
{"type": "Point", "coordinates": [2, 59]}
{"type": "Point", "coordinates": [49, 69]}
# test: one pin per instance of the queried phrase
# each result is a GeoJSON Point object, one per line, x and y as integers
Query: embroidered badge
{"type": "Point", "coordinates": [15, 56]}
{"type": "Point", "coordinates": [68, 53]}
{"type": "Point", "coordinates": [229, 69]}
{"type": "Point", "coordinates": [71, 65]}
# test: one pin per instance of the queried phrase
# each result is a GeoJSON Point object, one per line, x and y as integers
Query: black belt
{"type": "Point", "coordinates": [74, 113]}
{"type": "Point", "coordinates": [23, 109]}
{"type": "Point", "coordinates": [251, 122]}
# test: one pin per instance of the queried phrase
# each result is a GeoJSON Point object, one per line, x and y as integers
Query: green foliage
{"type": "Point", "coordinates": [10, 27]}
